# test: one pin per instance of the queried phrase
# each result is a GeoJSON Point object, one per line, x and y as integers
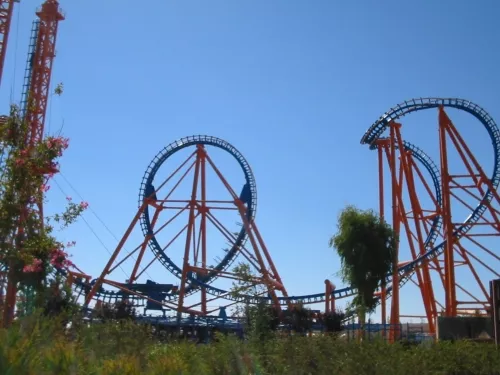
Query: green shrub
{"type": "Point", "coordinates": [41, 346]}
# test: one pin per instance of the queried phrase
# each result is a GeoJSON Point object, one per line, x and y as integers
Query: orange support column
{"type": "Point", "coordinates": [193, 205]}
{"type": "Point", "coordinates": [203, 229]}
{"type": "Point", "coordinates": [449, 264]}
{"type": "Point", "coordinates": [396, 225]}
{"type": "Point", "coordinates": [380, 153]}
{"type": "Point", "coordinates": [329, 298]}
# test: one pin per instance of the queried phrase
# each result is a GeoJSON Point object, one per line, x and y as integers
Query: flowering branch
{"type": "Point", "coordinates": [27, 245]}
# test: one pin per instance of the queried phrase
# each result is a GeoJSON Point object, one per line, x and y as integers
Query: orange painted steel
{"type": "Point", "coordinates": [329, 297]}
{"type": "Point", "coordinates": [6, 11]}
{"type": "Point", "coordinates": [456, 253]}
{"type": "Point", "coordinates": [194, 249]}
{"type": "Point", "coordinates": [391, 155]}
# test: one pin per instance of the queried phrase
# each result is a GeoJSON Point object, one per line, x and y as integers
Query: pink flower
{"type": "Point", "coordinates": [71, 244]}
{"type": "Point", "coordinates": [59, 258]}
{"type": "Point", "coordinates": [19, 162]}
{"type": "Point", "coordinates": [59, 143]}
{"type": "Point", "coordinates": [36, 266]}
{"type": "Point", "coordinates": [84, 205]}
{"type": "Point", "coordinates": [45, 188]}
{"type": "Point", "coordinates": [69, 199]}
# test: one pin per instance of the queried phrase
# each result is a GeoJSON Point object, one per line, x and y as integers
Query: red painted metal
{"type": "Point", "coordinates": [44, 54]}
{"type": "Point", "coordinates": [6, 11]}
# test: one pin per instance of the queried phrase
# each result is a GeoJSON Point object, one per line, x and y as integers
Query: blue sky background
{"type": "Point", "coordinates": [292, 84]}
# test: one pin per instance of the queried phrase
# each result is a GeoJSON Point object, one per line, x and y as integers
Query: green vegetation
{"type": "Point", "coordinates": [50, 337]}
{"type": "Point", "coordinates": [39, 346]}
{"type": "Point", "coordinates": [28, 246]}
{"type": "Point", "coordinates": [366, 246]}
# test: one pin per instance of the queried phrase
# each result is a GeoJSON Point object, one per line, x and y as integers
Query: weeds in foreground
{"type": "Point", "coordinates": [38, 346]}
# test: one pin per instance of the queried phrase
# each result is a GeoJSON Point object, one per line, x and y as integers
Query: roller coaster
{"type": "Point", "coordinates": [446, 215]}
{"type": "Point", "coordinates": [437, 242]}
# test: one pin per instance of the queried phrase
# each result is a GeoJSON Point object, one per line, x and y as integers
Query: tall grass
{"type": "Point", "coordinates": [38, 346]}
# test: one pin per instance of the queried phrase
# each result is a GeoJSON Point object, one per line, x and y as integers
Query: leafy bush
{"type": "Point", "coordinates": [39, 346]}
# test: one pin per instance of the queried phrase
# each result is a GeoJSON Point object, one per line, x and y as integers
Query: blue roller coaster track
{"type": "Point", "coordinates": [374, 133]}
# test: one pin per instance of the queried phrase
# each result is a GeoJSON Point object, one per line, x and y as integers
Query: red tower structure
{"type": "Point", "coordinates": [38, 93]}
{"type": "Point", "coordinates": [6, 11]}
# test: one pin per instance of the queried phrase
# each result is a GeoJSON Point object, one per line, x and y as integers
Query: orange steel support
{"type": "Point", "coordinates": [257, 242]}
{"type": "Point", "coordinates": [455, 252]}
{"type": "Point", "coordinates": [115, 254]}
{"type": "Point", "coordinates": [393, 146]}
{"type": "Point", "coordinates": [383, 295]}
{"type": "Point", "coordinates": [480, 181]}
{"type": "Point", "coordinates": [329, 298]}
{"type": "Point", "coordinates": [50, 16]}
{"type": "Point", "coordinates": [395, 225]}
{"type": "Point", "coordinates": [203, 230]}
{"type": "Point", "coordinates": [423, 275]}
{"type": "Point", "coordinates": [194, 248]}
{"type": "Point", "coordinates": [192, 207]}
{"type": "Point", "coordinates": [449, 265]}
{"type": "Point", "coordinates": [6, 11]}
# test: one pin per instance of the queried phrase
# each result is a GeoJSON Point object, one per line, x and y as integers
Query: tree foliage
{"type": "Point", "coordinates": [119, 310]}
{"type": "Point", "coordinates": [333, 321]}
{"type": "Point", "coordinates": [260, 319]}
{"type": "Point", "coordinates": [263, 319]}
{"type": "Point", "coordinates": [28, 247]}
{"type": "Point", "coordinates": [366, 246]}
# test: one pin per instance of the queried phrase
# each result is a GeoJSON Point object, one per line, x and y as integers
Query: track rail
{"type": "Point", "coordinates": [374, 133]}
{"type": "Point", "coordinates": [405, 272]}
{"type": "Point", "coordinates": [147, 188]}
{"type": "Point", "coordinates": [414, 105]}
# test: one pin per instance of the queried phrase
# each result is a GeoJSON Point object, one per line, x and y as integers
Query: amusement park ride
{"type": "Point", "coordinates": [444, 247]}
{"type": "Point", "coordinates": [35, 91]}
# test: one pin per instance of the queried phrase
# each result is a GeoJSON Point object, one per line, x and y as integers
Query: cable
{"type": "Point", "coordinates": [98, 218]}
{"type": "Point", "coordinates": [90, 227]}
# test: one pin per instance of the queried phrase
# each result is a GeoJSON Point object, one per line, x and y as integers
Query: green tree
{"type": "Point", "coordinates": [333, 321]}
{"type": "Point", "coordinates": [299, 318]}
{"type": "Point", "coordinates": [29, 251]}
{"type": "Point", "coordinates": [261, 319]}
{"type": "Point", "coordinates": [119, 310]}
{"type": "Point", "coordinates": [366, 246]}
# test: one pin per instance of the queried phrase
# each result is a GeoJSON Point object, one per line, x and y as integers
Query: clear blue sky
{"type": "Point", "coordinates": [292, 84]}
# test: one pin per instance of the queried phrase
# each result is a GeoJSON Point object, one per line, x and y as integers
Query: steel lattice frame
{"type": "Point", "coordinates": [6, 11]}
{"type": "Point", "coordinates": [82, 285]}
{"type": "Point", "coordinates": [404, 272]}
{"type": "Point", "coordinates": [194, 278]}
{"type": "Point", "coordinates": [452, 234]}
